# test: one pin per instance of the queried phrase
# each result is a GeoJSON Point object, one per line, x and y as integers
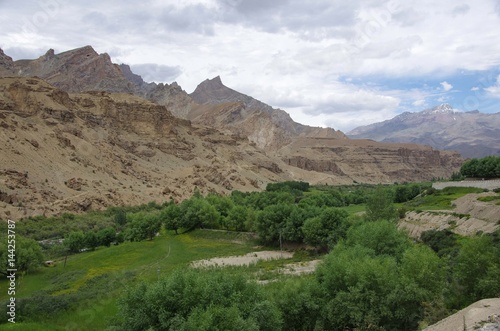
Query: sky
{"type": "Point", "coordinates": [328, 63]}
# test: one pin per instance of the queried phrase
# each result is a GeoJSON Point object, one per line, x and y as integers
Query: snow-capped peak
{"type": "Point", "coordinates": [441, 109]}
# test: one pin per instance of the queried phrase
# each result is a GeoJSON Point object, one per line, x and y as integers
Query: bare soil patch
{"type": "Point", "coordinates": [300, 268]}
{"type": "Point", "coordinates": [243, 260]}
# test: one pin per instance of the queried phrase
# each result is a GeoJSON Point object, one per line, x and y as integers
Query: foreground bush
{"type": "Point", "coordinates": [198, 300]}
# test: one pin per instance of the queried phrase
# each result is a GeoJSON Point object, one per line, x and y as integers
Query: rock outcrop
{"type": "Point", "coordinates": [369, 161]}
{"type": "Point", "coordinates": [6, 65]}
{"type": "Point", "coordinates": [77, 70]}
{"type": "Point", "coordinates": [483, 315]}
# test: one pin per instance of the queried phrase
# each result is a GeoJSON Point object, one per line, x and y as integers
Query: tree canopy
{"type": "Point", "coordinates": [486, 167]}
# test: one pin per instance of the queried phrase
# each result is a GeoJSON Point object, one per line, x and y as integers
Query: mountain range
{"type": "Point", "coordinates": [472, 134]}
{"type": "Point", "coordinates": [80, 132]}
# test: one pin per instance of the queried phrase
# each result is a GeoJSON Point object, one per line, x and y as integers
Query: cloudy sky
{"type": "Point", "coordinates": [327, 62]}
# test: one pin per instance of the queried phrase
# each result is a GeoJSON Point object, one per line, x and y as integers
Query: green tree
{"type": "Point", "coordinates": [28, 254]}
{"type": "Point", "coordinates": [221, 203]}
{"type": "Point", "coordinates": [365, 291]}
{"type": "Point", "coordinates": [381, 237]}
{"type": "Point", "coordinates": [106, 236]}
{"type": "Point", "coordinates": [299, 301]}
{"type": "Point", "coordinates": [487, 167]}
{"type": "Point", "coordinates": [357, 286]}
{"type": "Point", "coordinates": [171, 216]}
{"type": "Point", "coordinates": [197, 212]}
{"type": "Point", "coordinates": [421, 268]}
{"type": "Point", "coordinates": [273, 222]}
{"type": "Point", "coordinates": [261, 200]}
{"type": "Point", "coordinates": [478, 270]}
{"type": "Point", "coordinates": [327, 229]}
{"type": "Point", "coordinates": [441, 241]}
{"type": "Point", "coordinates": [75, 241]}
{"type": "Point", "coordinates": [90, 240]}
{"type": "Point", "coordinates": [120, 217]}
{"type": "Point", "coordinates": [237, 218]}
{"type": "Point", "coordinates": [196, 300]}
{"type": "Point", "coordinates": [143, 225]}
{"type": "Point", "coordinates": [379, 206]}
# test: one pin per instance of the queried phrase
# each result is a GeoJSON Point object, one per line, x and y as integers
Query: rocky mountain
{"type": "Point", "coordinates": [83, 69]}
{"type": "Point", "coordinates": [472, 134]}
{"type": "Point", "coordinates": [74, 152]}
{"type": "Point", "coordinates": [269, 128]}
{"type": "Point", "coordinates": [77, 70]}
{"type": "Point", "coordinates": [6, 65]}
{"type": "Point", "coordinates": [81, 147]}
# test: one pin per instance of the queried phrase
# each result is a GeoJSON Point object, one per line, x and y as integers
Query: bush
{"type": "Point", "coordinates": [198, 300]}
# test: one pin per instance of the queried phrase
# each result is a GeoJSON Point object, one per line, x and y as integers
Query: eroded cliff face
{"type": "Point", "coordinates": [76, 152]}
{"type": "Point", "coordinates": [369, 161]}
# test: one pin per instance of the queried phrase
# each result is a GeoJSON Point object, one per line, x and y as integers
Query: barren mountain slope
{"type": "Point", "coordinates": [77, 70]}
{"type": "Point", "coordinates": [77, 152]}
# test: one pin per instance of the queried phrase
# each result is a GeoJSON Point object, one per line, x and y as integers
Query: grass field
{"type": "Point", "coordinates": [96, 279]}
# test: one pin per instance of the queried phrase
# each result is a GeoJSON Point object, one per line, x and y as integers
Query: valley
{"type": "Point", "coordinates": [159, 209]}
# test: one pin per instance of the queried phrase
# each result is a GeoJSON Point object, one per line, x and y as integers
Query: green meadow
{"type": "Point", "coordinates": [94, 280]}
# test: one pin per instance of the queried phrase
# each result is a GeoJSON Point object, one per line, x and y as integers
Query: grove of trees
{"type": "Point", "coordinates": [486, 167]}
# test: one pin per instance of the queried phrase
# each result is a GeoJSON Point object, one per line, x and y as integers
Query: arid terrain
{"type": "Point", "coordinates": [83, 137]}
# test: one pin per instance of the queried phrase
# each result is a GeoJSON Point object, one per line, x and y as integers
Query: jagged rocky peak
{"type": "Point", "coordinates": [6, 64]}
{"type": "Point", "coordinates": [49, 54]}
{"type": "Point", "coordinates": [214, 91]}
{"type": "Point", "coordinates": [127, 72]}
{"type": "Point", "coordinates": [210, 84]}
{"type": "Point", "coordinates": [441, 109]}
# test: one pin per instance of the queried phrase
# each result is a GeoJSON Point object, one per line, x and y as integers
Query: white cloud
{"type": "Point", "coordinates": [151, 72]}
{"type": "Point", "coordinates": [494, 90]}
{"type": "Point", "coordinates": [446, 86]}
{"type": "Point", "coordinates": [419, 103]}
{"type": "Point", "coordinates": [287, 53]}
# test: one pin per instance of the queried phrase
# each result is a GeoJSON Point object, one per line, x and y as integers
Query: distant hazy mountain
{"type": "Point", "coordinates": [472, 134]}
